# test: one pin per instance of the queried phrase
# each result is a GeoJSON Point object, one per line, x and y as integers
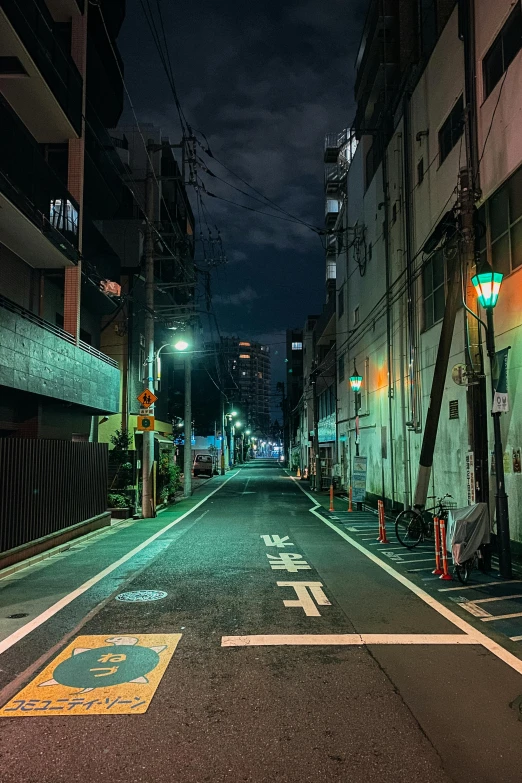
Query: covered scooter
{"type": "Point", "coordinates": [468, 530]}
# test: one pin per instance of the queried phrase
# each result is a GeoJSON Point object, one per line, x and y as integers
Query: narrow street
{"type": "Point", "coordinates": [250, 577]}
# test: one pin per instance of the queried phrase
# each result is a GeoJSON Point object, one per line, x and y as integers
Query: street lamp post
{"type": "Point", "coordinates": [355, 383]}
{"type": "Point", "coordinates": [487, 285]}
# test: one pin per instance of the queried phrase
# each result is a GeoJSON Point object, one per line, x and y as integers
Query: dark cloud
{"type": "Point", "coordinates": [264, 82]}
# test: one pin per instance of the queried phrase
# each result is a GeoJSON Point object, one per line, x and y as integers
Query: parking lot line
{"type": "Point", "coordinates": [500, 617]}
{"type": "Point", "coordinates": [346, 639]}
{"type": "Point", "coordinates": [480, 585]}
{"type": "Point", "coordinates": [499, 598]}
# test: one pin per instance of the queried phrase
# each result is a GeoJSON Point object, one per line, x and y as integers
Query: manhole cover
{"type": "Point", "coordinates": [136, 596]}
{"type": "Point", "coordinates": [17, 616]}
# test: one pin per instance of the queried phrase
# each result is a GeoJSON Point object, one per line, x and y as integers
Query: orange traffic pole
{"type": "Point", "coordinates": [350, 499]}
{"type": "Point", "coordinates": [298, 472]}
{"type": "Point", "coordinates": [331, 499]}
{"type": "Point", "coordinates": [445, 574]}
{"type": "Point", "coordinates": [382, 538]}
{"type": "Point", "coordinates": [436, 530]}
{"type": "Point", "coordinates": [379, 514]}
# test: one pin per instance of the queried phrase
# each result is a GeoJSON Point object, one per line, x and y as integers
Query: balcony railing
{"type": "Point", "coordinates": [35, 27]}
{"type": "Point", "coordinates": [7, 304]}
{"type": "Point", "coordinates": [28, 181]}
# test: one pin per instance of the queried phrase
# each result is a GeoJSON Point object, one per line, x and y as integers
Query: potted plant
{"type": "Point", "coordinates": [118, 505]}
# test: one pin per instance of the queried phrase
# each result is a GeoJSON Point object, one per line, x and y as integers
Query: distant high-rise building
{"type": "Point", "coordinates": [249, 376]}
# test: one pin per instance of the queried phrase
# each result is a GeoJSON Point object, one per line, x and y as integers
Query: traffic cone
{"type": "Point", "coordinates": [436, 530]}
{"type": "Point", "coordinates": [298, 472]}
{"type": "Point", "coordinates": [445, 575]}
{"type": "Point", "coordinates": [331, 499]}
{"type": "Point", "coordinates": [350, 500]}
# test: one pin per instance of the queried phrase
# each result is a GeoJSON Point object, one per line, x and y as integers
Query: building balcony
{"type": "Point", "coordinates": [332, 208]}
{"type": "Point", "coordinates": [64, 10]}
{"type": "Point", "coordinates": [334, 179]}
{"type": "Point", "coordinates": [43, 84]}
{"type": "Point", "coordinates": [38, 217]}
{"type": "Point", "coordinates": [38, 357]}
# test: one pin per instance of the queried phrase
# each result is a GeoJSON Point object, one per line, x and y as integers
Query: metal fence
{"type": "Point", "coordinates": [48, 485]}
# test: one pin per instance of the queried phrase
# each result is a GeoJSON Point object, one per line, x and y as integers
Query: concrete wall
{"type": "Point", "coordinates": [35, 360]}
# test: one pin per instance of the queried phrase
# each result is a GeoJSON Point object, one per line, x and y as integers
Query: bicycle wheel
{"type": "Point", "coordinates": [409, 528]}
{"type": "Point", "coordinates": [464, 570]}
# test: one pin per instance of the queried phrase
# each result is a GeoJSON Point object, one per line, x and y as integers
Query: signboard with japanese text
{"type": "Point", "coordinates": [359, 479]}
{"type": "Point", "coordinates": [470, 477]}
{"type": "Point", "coordinates": [98, 675]}
{"type": "Point", "coordinates": [500, 395]}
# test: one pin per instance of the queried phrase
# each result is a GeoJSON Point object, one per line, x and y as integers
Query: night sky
{"type": "Point", "coordinates": [264, 82]}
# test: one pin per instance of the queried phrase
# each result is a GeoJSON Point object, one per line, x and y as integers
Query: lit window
{"type": "Point", "coordinates": [244, 356]}
{"type": "Point", "coordinates": [63, 215]}
{"type": "Point", "coordinates": [247, 344]}
{"type": "Point", "coordinates": [297, 346]}
{"type": "Point", "coordinates": [243, 373]}
{"type": "Point", "coordinates": [259, 374]}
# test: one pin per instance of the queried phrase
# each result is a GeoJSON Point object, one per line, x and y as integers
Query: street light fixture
{"type": "Point", "coordinates": [355, 383]}
{"type": "Point", "coordinates": [487, 285]}
{"type": "Point", "coordinates": [181, 345]}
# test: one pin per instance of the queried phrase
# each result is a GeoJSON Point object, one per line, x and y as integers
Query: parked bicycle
{"type": "Point", "coordinates": [414, 525]}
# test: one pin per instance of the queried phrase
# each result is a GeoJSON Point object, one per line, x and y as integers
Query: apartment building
{"type": "Point", "coordinates": [249, 378]}
{"type": "Point", "coordinates": [437, 122]}
{"type": "Point", "coordinates": [60, 88]}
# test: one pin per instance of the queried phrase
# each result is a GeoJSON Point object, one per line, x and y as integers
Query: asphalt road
{"type": "Point", "coordinates": [248, 694]}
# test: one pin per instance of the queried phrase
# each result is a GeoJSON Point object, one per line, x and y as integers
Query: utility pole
{"type": "Point", "coordinates": [317, 460]}
{"type": "Point", "coordinates": [148, 504]}
{"type": "Point", "coordinates": [223, 434]}
{"type": "Point", "coordinates": [187, 452]}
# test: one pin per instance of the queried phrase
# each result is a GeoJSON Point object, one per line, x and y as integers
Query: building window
{"type": "Point", "coordinates": [503, 215]}
{"type": "Point", "coordinates": [434, 297]}
{"type": "Point", "coordinates": [341, 367]}
{"type": "Point", "coordinates": [503, 50]}
{"type": "Point", "coordinates": [340, 302]}
{"type": "Point", "coordinates": [451, 130]}
{"type": "Point", "coordinates": [244, 356]}
{"type": "Point", "coordinates": [297, 346]}
{"type": "Point", "coordinates": [420, 171]}
{"type": "Point", "coordinates": [246, 344]}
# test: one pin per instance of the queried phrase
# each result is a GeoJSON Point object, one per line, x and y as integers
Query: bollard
{"type": "Point", "coordinates": [436, 534]}
{"type": "Point", "coordinates": [331, 499]}
{"type": "Point", "coordinates": [379, 514]}
{"type": "Point", "coordinates": [298, 472]}
{"type": "Point", "coordinates": [350, 499]}
{"type": "Point", "coordinates": [445, 574]}
{"type": "Point", "coordinates": [382, 524]}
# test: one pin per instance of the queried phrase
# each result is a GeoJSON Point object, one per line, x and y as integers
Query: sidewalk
{"type": "Point", "coordinates": [36, 586]}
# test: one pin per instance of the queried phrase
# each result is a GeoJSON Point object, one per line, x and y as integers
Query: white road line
{"type": "Point", "coordinates": [501, 617]}
{"type": "Point", "coordinates": [480, 585]}
{"type": "Point", "coordinates": [26, 629]}
{"type": "Point", "coordinates": [346, 639]}
{"type": "Point", "coordinates": [515, 638]}
{"type": "Point", "coordinates": [480, 638]}
{"type": "Point", "coordinates": [499, 598]}
{"type": "Point", "coordinates": [415, 560]}
{"type": "Point", "coordinates": [413, 570]}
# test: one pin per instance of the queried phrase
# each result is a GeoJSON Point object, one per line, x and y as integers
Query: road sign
{"type": "Point", "coordinates": [98, 675]}
{"type": "Point", "coordinates": [146, 398]}
{"type": "Point", "coordinates": [146, 423]}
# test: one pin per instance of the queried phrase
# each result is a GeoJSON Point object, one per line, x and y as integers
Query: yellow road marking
{"type": "Point", "coordinates": [98, 675]}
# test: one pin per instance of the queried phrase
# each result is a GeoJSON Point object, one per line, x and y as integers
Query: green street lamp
{"type": "Point", "coordinates": [355, 379]}
{"type": "Point", "coordinates": [181, 344]}
{"type": "Point", "coordinates": [487, 285]}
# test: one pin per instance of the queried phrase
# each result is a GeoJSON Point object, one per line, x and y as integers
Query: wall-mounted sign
{"type": "Point", "coordinates": [360, 466]}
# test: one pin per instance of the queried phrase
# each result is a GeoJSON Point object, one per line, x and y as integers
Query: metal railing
{"type": "Point", "coordinates": [7, 304]}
